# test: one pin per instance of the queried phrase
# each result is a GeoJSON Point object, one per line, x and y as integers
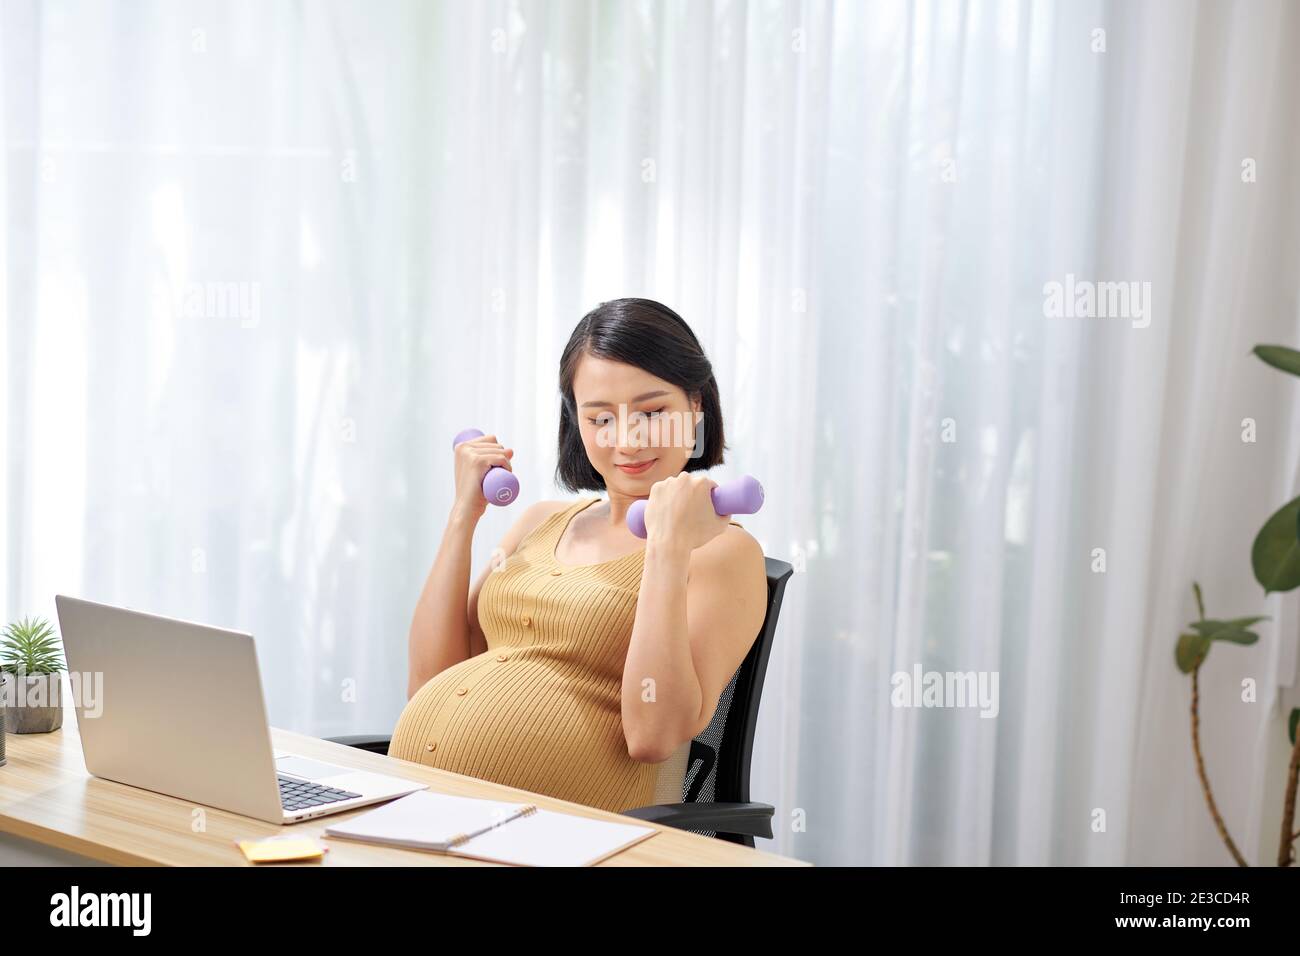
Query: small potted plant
{"type": "Point", "coordinates": [31, 664]}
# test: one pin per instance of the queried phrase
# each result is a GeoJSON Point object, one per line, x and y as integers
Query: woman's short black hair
{"type": "Point", "coordinates": [651, 336]}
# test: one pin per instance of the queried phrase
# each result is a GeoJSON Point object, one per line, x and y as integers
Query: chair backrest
{"type": "Point", "coordinates": [717, 766]}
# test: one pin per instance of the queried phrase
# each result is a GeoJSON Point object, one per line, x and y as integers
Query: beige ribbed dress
{"type": "Point", "coordinates": [541, 708]}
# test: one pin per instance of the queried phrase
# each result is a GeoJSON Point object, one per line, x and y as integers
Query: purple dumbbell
{"type": "Point", "coordinates": [743, 496]}
{"type": "Point", "coordinates": [500, 486]}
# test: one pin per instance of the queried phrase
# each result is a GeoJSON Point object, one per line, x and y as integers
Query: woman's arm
{"type": "Point", "coordinates": [701, 604]}
{"type": "Point", "coordinates": [445, 628]}
{"type": "Point", "coordinates": [439, 634]}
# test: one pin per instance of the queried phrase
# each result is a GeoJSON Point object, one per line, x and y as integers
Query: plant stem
{"type": "Point", "coordinates": [1285, 852]}
{"type": "Point", "coordinates": [1200, 764]}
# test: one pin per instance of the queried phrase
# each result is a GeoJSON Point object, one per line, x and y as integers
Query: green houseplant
{"type": "Point", "coordinates": [1275, 560]}
{"type": "Point", "coordinates": [31, 663]}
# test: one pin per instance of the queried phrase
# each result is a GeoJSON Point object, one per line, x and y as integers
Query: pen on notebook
{"type": "Point", "coordinates": [523, 811]}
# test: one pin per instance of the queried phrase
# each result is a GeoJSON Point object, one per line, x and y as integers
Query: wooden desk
{"type": "Point", "coordinates": [53, 811]}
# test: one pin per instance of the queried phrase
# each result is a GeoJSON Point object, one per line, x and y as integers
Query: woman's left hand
{"type": "Point", "coordinates": [680, 511]}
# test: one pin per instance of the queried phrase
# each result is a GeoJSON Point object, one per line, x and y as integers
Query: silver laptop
{"type": "Point", "coordinates": [181, 713]}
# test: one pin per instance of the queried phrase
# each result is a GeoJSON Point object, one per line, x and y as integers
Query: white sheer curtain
{"type": "Point", "coordinates": [261, 261]}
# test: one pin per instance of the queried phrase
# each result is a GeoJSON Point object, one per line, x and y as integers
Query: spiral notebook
{"type": "Point", "coordinates": [520, 834]}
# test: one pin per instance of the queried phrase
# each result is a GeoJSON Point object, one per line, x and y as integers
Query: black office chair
{"type": "Point", "coordinates": [715, 791]}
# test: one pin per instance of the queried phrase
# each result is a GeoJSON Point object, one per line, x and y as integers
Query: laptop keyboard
{"type": "Point", "coordinates": [301, 794]}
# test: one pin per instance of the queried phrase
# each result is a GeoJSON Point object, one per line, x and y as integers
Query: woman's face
{"type": "Point", "coordinates": [627, 417]}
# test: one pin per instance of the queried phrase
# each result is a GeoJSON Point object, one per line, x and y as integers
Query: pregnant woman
{"type": "Point", "coordinates": [582, 660]}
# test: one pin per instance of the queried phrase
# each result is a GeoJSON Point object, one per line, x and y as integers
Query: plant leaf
{"type": "Point", "coordinates": [1211, 627]}
{"type": "Point", "coordinates": [1291, 724]}
{"type": "Point", "coordinates": [1275, 555]}
{"type": "Point", "coordinates": [1247, 621]}
{"type": "Point", "coordinates": [1191, 651]}
{"type": "Point", "coordinates": [1279, 356]}
{"type": "Point", "coordinates": [1236, 636]}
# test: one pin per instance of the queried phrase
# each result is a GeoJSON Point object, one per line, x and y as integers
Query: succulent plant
{"type": "Point", "coordinates": [30, 646]}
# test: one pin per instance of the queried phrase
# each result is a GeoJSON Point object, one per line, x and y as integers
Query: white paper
{"type": "Point", "coordinates": [428, 821]}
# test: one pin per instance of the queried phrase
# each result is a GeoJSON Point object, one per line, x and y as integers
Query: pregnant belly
{"type": "Point", "coordinates": [534, 725]}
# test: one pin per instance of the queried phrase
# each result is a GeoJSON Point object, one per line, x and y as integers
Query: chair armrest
{"type": "Point", "coordinates": [374, 743]}
{"type": "Point", "coordinates": [742, 819]}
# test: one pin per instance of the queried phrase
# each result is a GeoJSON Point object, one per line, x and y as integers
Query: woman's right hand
{"type": "Point", "coordinates": [473, 460]}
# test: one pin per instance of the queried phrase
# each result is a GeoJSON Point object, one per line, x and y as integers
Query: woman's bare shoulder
{"type": "Point", "coordinates": [734, 547]}
{"type": "Point", "coordinates": [731, 564]}
{"type": "Point", "coordinates": [539, 511]}
{"type": "Point", "coordinates": [535, 515]}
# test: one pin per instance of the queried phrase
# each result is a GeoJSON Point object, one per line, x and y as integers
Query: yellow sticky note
{"type": "Point", "coordinates": [281, 849]}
